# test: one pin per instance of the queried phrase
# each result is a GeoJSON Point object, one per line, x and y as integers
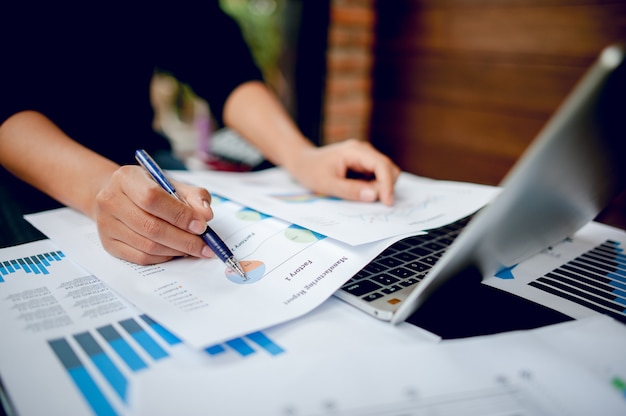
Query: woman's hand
{"type": "Point", "coordinates": [140, 222]}
{"type": "Point", "coordinates": [256, 114]}
{"type": "Point", "coordinates": [327, 170]}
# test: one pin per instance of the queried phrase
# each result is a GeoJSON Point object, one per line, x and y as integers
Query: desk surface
{"type": "Point", "coordinates": [464, 307]}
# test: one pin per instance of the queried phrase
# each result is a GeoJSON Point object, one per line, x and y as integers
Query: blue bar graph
{"type": "Point", "coordinates": [37, 264]}
{"type": "Point", "coordinates": [167, 336]}
{"type": "Point", "coordinates": [215, 349]}
{"type": "Point", "coordinates": [114, 364]}
{"type": "Point", "coordinates": [81, 378]}
{"type": "Point", "coordinates": [596, 279]}
{"type": "Point", "coordinates": [264, 342]}
{"type": "Point", "coordinates": [243, 347]}
{"type": "Point", "coordinates": [144, 339]}
{"type": "Point", "coordinates": [122, 348]}
{"type": "Point", "coordinates": [103, 362]}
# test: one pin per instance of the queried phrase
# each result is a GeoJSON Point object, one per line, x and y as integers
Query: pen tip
{"type": "Point", "coordinates": [237, 267]}
{"type": "Point", "coordinates": [242, 272]}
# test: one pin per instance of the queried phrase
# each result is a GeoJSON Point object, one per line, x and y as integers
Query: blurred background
{"type": "Point", "coordinates": [449, 89]}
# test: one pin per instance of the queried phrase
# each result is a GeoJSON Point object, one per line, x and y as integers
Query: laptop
{"type": "Point", "coordinates": [568, 174]}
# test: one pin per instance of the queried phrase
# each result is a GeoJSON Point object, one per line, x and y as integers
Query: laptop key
{"type": "Point", "coordinates": [384, 279]}
{"type": "Point", "coordinates": [418, 267]}
{"type": "Point", "coordinates": [401, 272]}
{"type": "Point", "coordinates": [374, 267]}
{"type": "Point", "coordinates": [362, 274]}
{"type": "Point", "coordinates": [433, 246]}
{"type": "Point", "coordinates": [405, 256]}
{"type": "Point", "coordinates": [404, 244]}
{"type": "Point", "coordinates": [389, 262]}
{"type": "Point", "coordinates": [372, 296]}
{"type": "Point", "coordinates": [421, 251]}
{"type": "Point", "coordinates": [430, 260]}
{"type": "Point", "coordinates": [446, 241]}
{"type": "Point", "coordinates": [361, 288]}
{"type": "Point", "coordinates": [427, 237]}
{"type": "Point", "coordinates": [391, 289]}
{"type": "Point", "coordinates": [409, 282]}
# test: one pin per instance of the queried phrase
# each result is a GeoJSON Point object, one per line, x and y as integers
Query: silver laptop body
{"type": "Point", "coordinates": [570, 172]}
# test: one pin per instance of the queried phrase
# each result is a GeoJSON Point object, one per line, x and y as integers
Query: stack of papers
{"type": "Point", "coordinates": [293, 266]}
{"type": "Point", "coordinates": [420, 203]}
{"type": "Point", "coordinates": [94, 353]}
{"type": "Point", "coordinates": [72, 346]}
{"type": "Point", "coordinates": [108, 337]}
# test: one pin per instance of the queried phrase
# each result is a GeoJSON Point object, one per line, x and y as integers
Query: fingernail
{"type": "Point", "coordinates": [206, 204]}
{"type": "Point", "coordinates": [207, 252]}
{"type": "Point", "coordinates": [368, 195]}
{"type": "Point", "coordinates": [197, 227]}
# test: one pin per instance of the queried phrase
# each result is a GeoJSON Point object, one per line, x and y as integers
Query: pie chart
{"type": "Point", "coordinates": [255, 270]}
{"type": "Point", "coordinates": [298, 234]}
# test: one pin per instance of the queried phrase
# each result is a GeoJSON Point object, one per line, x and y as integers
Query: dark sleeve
{"type": "Point", "coordinates": [212, 56]}
{"type": "Point", "coordinates": [15, 68]}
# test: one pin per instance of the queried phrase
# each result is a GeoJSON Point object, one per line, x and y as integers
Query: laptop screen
{"type": "Point", "coordinates": [570, 172]}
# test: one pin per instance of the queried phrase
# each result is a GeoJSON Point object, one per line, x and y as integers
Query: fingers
{"type": "Point", "coordinates": [122, 242]}
{"type": "Point", "coordinates": [140, 222]}
{"type": "Point", "coordinates": [326, 170]}
{"type": "Point", "coordinates": [379, 174]}
{"type": "Point", "coordinates": [386, 173]}
{"type": "Point", "coordinates": [152, 199]}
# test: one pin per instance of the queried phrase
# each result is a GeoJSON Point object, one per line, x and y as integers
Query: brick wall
{"type": "Point", "coordinates": [348, 103]}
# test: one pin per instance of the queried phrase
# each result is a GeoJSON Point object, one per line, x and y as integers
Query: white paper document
{"type": "Point", "coordinates": [420, 203]}
{"type": "Point", "coordinates": [576, 368]}
{"type": "Point", "coordinates": [290, 271]}
{"type": "Point", "coordinates": [71, 346]}
{"type": "Point", "coordinates": [583, 276]}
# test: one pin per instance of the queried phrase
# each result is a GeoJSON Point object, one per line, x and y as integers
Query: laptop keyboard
{"type": "Point", "coordinates": [403, 264]}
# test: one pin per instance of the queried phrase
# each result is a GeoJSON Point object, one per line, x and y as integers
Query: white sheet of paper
{"type": "Point", "coordinates": [106, 343]}
{"type": "Point", "coordinates": [290, 270]}
{"type": "Point", "coordinates": [577, 368]}
{"type": "Point", "coordinates": [420, 203]}
{"type": "Point", "coordinates": [612, 279]}
{"type": "Point", "coordinates": [65, 345]}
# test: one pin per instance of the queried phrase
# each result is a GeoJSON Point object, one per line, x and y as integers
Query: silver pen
{"type": "Point", "coordinates": [209, 236]}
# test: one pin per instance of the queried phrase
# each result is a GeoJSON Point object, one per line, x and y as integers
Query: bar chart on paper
{"type": "Point", "coordinates": [36, 264]}
{"type": "Point", "coordinates": [101, 362]}
{"type": "Point", "coordinates": [595, 279]}
{"type": "Point", "coordinates": [582, 276]}
{"type": "Point", "coordinates": [244, 346]}
{"type": "Point", "coordinates": [87, 342]}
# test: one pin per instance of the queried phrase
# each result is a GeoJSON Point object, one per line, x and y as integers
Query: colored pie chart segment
{"type": "Point", "coordinates": [255, 270]}
{"type": "Point", "coordinates": [248, 214]}
{"type": "Point", "coordinates": [298, 234]}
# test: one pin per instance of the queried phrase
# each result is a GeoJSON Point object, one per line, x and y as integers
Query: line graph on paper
{"type": "Point", "coordinates": [504, 398]}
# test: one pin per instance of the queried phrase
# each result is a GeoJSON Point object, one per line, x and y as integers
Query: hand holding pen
{"type": "Point", "coordinates": [209, 236]}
